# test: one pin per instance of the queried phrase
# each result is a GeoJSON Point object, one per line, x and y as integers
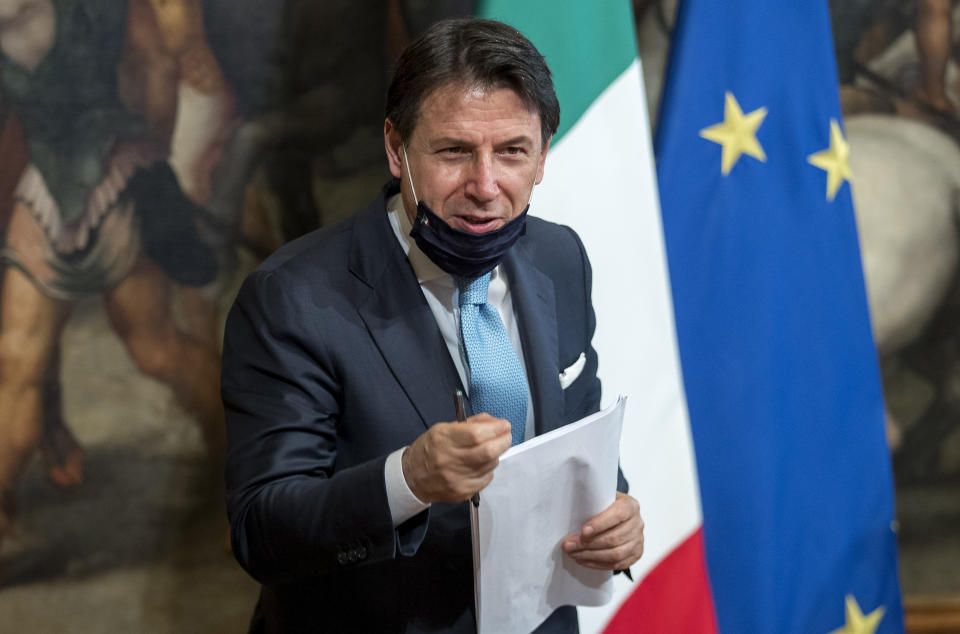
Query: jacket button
{"type": "Point", "coordinates": [342, 558]}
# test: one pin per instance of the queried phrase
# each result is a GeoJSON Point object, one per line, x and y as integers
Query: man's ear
{"type": "Point", "coordinates": [393, 144]}
{"type": "Point", "coordinates": [542, 161]}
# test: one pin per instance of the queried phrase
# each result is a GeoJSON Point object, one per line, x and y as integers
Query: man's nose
{"type": "Point", "coordinates": [482, 182]}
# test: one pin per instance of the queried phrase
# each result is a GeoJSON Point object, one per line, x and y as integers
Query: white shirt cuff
{"type": "Point", "coordinates": [403, 503]}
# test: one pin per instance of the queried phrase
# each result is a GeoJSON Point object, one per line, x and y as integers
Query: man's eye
{"type": "Point", "coordinates": [513, 150]}
{"type": "Point", "coordinates": [452, 150]}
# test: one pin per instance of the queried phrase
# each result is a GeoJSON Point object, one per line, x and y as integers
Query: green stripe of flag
{"type": "Point", "coordinates": [587, 44]}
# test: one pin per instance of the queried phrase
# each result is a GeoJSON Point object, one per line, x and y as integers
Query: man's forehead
{"type": "Point", "coordinates": [455, 102]}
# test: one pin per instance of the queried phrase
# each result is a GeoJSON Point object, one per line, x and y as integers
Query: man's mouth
{"type": "Point", "coordinates": [476, 224]}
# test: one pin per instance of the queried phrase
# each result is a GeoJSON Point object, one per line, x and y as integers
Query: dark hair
{"type": "Point", "coordinates": [476, 52]}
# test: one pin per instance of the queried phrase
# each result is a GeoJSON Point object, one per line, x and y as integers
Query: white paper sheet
{"type": "Point", "coordinates": [542, 491]}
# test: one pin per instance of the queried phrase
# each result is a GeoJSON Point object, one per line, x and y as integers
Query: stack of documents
{"type": "Point", "coordinates": [543, 491]}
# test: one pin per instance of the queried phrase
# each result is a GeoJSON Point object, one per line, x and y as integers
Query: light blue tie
{"type": "Point", "coordinates": [498, 384]}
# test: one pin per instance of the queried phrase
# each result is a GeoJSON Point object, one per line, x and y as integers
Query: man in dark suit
{"type": "Point", "coordinates": [347, 492]}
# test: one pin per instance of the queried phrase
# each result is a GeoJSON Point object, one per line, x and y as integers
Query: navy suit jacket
{"type": "Point", "coordinates": [332, 359]}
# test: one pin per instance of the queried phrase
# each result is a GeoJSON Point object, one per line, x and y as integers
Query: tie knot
{"type": "Point", "coordinates": [473, 290]}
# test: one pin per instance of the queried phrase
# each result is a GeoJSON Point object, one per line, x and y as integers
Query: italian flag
{"type": "Point", "coordinates": [600, 180]}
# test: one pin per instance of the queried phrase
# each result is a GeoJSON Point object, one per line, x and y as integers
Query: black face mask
{"type": "Point", "coordinates": [460, 253]}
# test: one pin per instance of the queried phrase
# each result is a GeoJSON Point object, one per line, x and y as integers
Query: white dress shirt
{"type": "Point", "coordinates": [442, 296]}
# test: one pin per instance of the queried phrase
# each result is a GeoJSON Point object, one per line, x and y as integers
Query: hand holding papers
{"type": "Point", "coordinates": [542, 491]}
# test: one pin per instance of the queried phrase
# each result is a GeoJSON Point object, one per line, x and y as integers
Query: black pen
{"type": "Point", "coordinates": [462, 417]}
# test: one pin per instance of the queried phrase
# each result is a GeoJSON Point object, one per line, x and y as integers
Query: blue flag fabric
{"type": "Point", "coordinates": [778, 359]}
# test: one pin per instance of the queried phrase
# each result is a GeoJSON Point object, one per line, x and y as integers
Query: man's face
{"type": "Point", "coordinates": [474, 156]}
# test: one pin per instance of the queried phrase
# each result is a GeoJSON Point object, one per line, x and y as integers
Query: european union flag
{"type": "Point", "coordinates": [778, 359]}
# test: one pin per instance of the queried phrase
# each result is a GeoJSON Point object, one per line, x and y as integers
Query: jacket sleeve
{"type": "Point", "coordinates": [292, 514]}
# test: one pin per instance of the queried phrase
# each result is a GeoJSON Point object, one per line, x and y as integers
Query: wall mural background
{"type": "Point", "coordinates": [900, 91]}
{"type": "Point", "coordinates": [152, 152]}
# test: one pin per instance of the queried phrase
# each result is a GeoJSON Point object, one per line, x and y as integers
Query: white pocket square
{"type": "Point", "coordinates": [569, 375]}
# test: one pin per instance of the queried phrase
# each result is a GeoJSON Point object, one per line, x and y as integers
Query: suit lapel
{"type": "Point", "coordinates": [399, 319]}
{"type": "Point", "coordinates": [531, 292]}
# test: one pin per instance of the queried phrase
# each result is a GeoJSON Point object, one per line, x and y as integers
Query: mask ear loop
{"type": "Point", "coordinates": [406, 162]}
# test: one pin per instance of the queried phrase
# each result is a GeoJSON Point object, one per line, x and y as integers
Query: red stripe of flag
{"type": "Point", "coordinates": [674, 597]}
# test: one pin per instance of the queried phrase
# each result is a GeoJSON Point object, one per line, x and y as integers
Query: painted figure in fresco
{"type": "Point", "coordinates": [865, 30]}
{"type": "Point", "coordinates": [934, 29]}
{"type": "Point", "coordinates": [105, 203]}
{"type": "Point", "coordinates": [310, 96]}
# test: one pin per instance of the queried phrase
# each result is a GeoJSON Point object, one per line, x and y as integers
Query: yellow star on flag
{"type": "Point", "coordinates": [737, 134]}
{"type": "Point", "coordinates": [834, 160]}
{"type": "Point", "coordinates": [857, 623]}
